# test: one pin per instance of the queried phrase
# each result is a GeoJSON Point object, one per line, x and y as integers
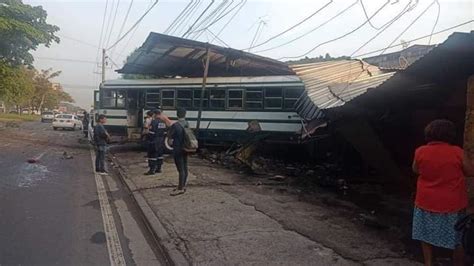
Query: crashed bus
{"type": "Point", "coordinates": [232, 107]}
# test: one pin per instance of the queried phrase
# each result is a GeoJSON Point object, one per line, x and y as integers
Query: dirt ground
{"type": "Point", "coordinates": [230, 217]}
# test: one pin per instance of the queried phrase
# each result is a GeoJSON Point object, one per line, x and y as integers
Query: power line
{"type": "Point", "coordinates": [199, 17]}
{"type": "Point", "coordinates": [104, 44]}
{"type": "Point", "coordinates": [124, 22]}
{"type": "Point", "coordinates": [411, 24]}
{"type": "Point", "coordinates": [257, 33]}
{"type": "Point", "coordinates": [134, 25]}
{"type": "Point", "coordinates": [340, 37]}
{"type": "Point", "coordinates": [221, 17]}
{"type": "Point", "coordinates": [216, 37]}
{"type": "Point", "coordinates": [367, 16]}
{"type": "Point", "coordinates": [77, 40]}
{"type": "Point", "coordinates": [186, 17]}
{"type": "Point", "coordinates": [102, 30]}
{"type": "Point", "coordinates": [292, 27]}
{"type": "Point", "coordinates": [67, 60]}
{"type": "Point", "coordinates": [205, 24]}
{"type": "Point", "coordinates": [436, 21]}
{"type": "Point", "coordinates": [312, 30]}
{"type": "Point", "coordinates": [113, 22]}
{"type": "Point", "coordinates": [178, 17]}
{"type": "Point", "coordinates": [417, 39]}
{"type": "Point", "coordinates": [230, 20]}
{"type": "Point", "coordinates": [405, 10]}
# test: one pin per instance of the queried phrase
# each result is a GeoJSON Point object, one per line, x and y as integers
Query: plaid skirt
{"type": "Point", "coordinates": [437, 229]}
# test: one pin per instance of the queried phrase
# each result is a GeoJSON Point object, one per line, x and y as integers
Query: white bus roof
{"type": "Point", "coordinates": [198, 81]}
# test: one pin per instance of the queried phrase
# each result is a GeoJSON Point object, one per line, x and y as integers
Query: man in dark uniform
{"type": "Point", "coordinates": [156, 136]}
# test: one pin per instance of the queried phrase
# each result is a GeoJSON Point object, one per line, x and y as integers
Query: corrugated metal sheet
{"type": "Point", "coordinates": [332, 84]}
{"type": "Point", "coordinates": [164, 56]}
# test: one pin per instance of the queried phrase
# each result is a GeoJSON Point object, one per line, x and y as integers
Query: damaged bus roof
{"type": "Point", "coordinates": [168, 56]}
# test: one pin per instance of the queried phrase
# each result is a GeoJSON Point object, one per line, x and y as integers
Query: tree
{"type": "Point", "coordinates": [43, 87]}
{"type": "Point", "coordinates": [23, 28]}
{"type": "Point", "coordinates": [16, 86]}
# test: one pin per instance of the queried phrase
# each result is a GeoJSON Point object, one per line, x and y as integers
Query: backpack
{"type": "Point", "coordinates": [466, 227]}
{"type": "Point", "coordinates": [191, 143]}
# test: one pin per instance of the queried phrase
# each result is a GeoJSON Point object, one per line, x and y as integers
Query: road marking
{"type": "Point", "coordinates": [113, 242]}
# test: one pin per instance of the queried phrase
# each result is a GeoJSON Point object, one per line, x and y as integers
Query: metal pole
{"type": "Point", "coordinates": [103, 65]}
{"type": "Point", "coordinates": [204, 80]}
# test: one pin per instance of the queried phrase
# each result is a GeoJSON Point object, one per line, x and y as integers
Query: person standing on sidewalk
{"type": "Point", "coordinates": [156, 134]}
{"type": "Point", "coordinates": [101, 138]}
{"type": "Point", "coordinates": [441, 194]}
{"type": "Point", "coordinates": [176, 133]}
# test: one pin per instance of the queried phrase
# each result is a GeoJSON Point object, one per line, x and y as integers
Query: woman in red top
{"type": "Point", "coordinates": [441, 195]}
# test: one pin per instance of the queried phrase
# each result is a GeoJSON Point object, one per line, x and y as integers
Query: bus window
{"type": "Point", "coordinates": [167, 98]}
{"type": "Point", "coordinates": [235, 99]}
{"type": "Point", "coordinates": [114, 98]}
{"type": "Point", "coordinates": [120, 99]}
{"type": "Point", "coordinates": [197, 98]}
{"type": "Point", "coordinates": [273, 98]}
{"type": "Point", "coordinates": [291, 96]}
{"type": "Point", "coordinates": [217, 99]}
{"type": "Point", "coordinates": [152, 99]}
{"type": "Point", "coordinates": [184, 98]}
{"type": "Point", "coordinates": [254, 99]}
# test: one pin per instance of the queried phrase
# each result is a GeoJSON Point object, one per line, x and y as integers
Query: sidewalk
{"type": "Point", "coordinates": [229, 218]}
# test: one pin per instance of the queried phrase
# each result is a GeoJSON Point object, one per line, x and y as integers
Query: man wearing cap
{"type": "Point", "coordinates": [156, 135]}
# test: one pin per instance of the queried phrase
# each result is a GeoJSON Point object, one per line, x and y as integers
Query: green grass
{"type": "Point", "coordinates": [18, 118]}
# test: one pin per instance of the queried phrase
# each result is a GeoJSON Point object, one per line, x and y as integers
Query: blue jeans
{"type": "Point", "coordinates": [100, 153]}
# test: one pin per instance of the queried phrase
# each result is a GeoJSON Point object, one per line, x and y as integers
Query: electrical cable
{"type": "Point", "coordinates": [199, 17]}
{"type": "Point", "coordinates": [102, 30]}
{"type": "Point", "coordinates": [311, 31]}
{"type": "Point", "coordinates": [230, 20]}
{"type": "Point", "coordinates": [416, 39]}
{"type": "Point", "coordinates": [257, 33]}
{"type": "Point", "coordinates": [113, 22]}
{"type": "Point", "coordinates": [135, 25]}
{"type": "Point", "coordinates": [292, 27]}
{"type": "Point", "coordinates": [405, 10]}
{"type": "Point", "coordinates": [411, 24]}
{"type": "Point", "coordinates": [216, 37]}
{"type": "Point", "coordinates": [340, 37]}
{"type": "Point", "coordinates": [436, 21]}
{"type": "Point", "coordinates": [123, 23]}
{"type": "Point", "coordinates": [67, 60]}
{"type": "Point", "coordinates": [178, 17]}
{"type": "Point", "coordinates": [221, 17]}
{"type": "Point", "coordinates": [188, 17]}
{"type": "Point", "coordinates": [108, 24]}
{"type": "Point", "coordinates": [211, 15]}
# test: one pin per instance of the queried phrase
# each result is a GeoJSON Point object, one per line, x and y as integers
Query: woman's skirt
{"type": "Point", "coordinates": [437, 229]}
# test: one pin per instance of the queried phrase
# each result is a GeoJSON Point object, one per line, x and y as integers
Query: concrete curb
{"type": "Point", "coordinates": [173, 255]}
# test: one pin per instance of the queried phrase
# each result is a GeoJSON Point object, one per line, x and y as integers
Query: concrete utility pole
{"type": "Point", "coordinates": [203, 90]}
{"type": "Point", "coordinates": [103, 65]}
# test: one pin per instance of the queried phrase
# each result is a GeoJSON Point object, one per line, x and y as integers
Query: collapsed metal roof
{"type": "Point", "coordinates": [332, 84]}
{"type": "Point", "coordinates": [400, 59]}
{"type": "Point", "coordinates": [167, 56]}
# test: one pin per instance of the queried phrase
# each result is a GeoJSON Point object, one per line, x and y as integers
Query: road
{"type": "Point", "coordinates": [50, 210]}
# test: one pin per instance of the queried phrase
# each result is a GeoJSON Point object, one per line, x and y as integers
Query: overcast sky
{"type": "Point", "coordinates": [82, 20]}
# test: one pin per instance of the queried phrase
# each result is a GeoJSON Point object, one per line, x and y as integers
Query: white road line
{"type": "Point", "coordinates": [113, 242]}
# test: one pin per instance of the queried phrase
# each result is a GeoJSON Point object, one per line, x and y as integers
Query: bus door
{"type": "Point", "coordinates": [133, 129]}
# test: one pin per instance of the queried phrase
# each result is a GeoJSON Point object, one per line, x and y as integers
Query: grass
{"type": "Point", "coordinates": [18, 118]}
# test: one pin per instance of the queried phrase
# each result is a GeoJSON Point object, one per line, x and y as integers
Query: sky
{"type": "Point", "coordinates": [77, 55]}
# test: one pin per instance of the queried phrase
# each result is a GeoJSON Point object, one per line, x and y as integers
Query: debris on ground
{"type": "Point", "coordinates": [66, 156]}
{"type": "Point", "coordinates": [33, 160]}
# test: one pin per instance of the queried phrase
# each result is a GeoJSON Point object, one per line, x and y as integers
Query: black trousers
{"type": "Point", "coordinates": [181, 162]}
{"type": "Point", "coordinates": [155, 152]}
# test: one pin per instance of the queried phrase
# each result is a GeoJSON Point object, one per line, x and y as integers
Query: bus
{"type": "Point", "coordinates": [231, 107]}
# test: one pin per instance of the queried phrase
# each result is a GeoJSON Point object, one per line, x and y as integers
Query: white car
{"type": "Point", "coordinates": [67, 121]}
{"type": "Point", "coordinates": [47, 116]}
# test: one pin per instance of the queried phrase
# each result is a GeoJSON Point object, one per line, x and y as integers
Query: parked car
{"type": "Point", "coordinates": [47, 117]}
{"type": "Point", "coordinates": [67, 121]}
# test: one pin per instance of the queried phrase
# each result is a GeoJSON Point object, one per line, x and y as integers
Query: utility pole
{"type": "Point", "coordinates": [203, 90]}
{"type": "Point", "coordinates": [103, 65]}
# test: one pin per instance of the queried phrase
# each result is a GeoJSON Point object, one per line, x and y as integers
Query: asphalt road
{"type": "Point", "coordinates": [50, 211]}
